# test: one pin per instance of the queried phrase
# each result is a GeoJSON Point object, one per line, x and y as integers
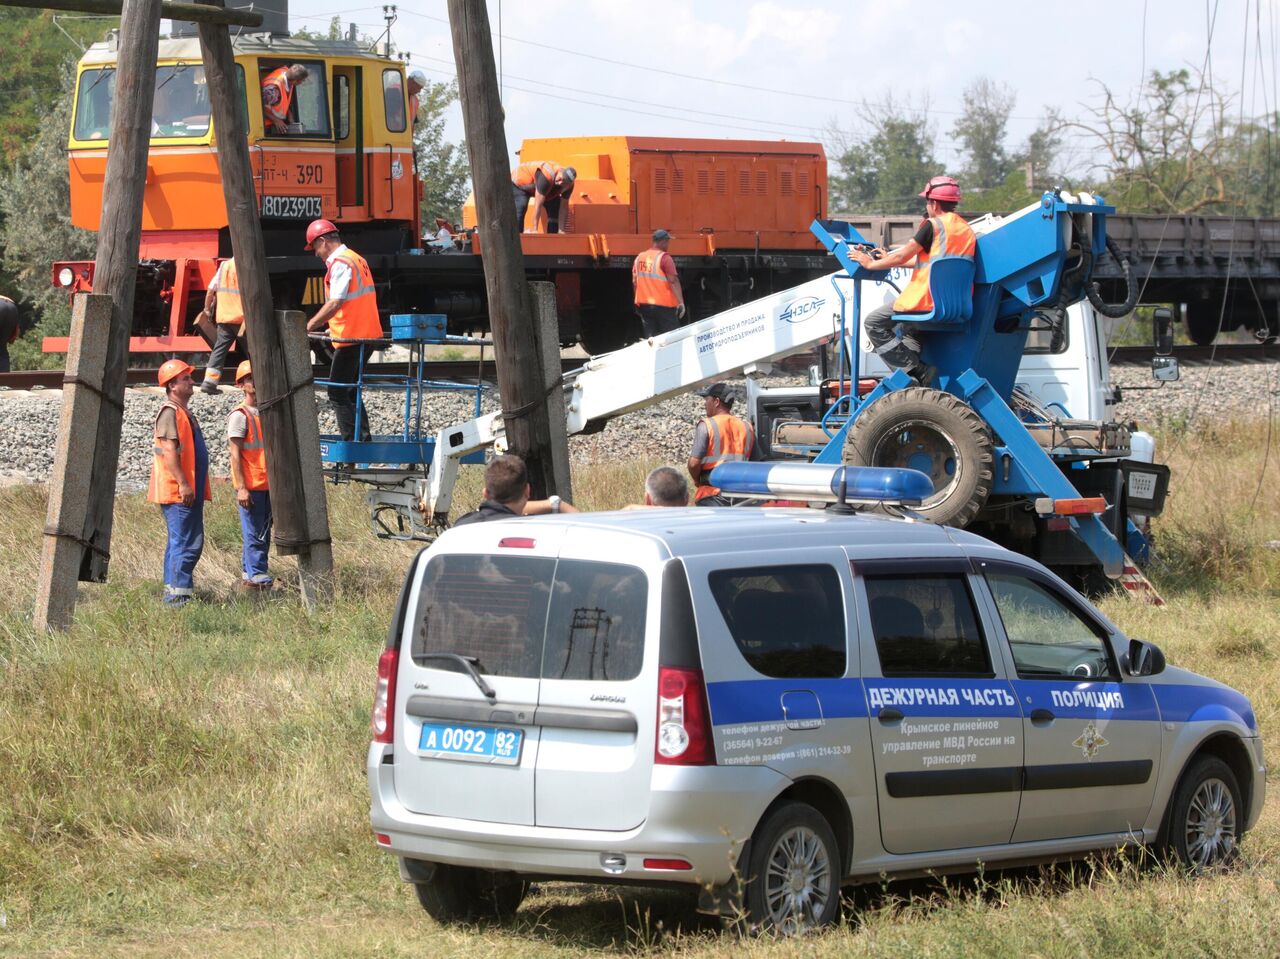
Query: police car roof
{"type": "Point", "coordinates": [699, 530]}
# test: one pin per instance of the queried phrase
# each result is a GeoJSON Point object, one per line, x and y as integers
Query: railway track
{"type": "Point", "coordinates": [1223, 354]}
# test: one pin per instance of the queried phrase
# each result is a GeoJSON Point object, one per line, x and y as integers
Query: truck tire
{"type": "Point", "coordinates": [933, 432]}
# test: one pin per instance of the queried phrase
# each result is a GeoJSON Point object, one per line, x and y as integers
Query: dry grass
{"type": "Point", "coordinates": [192, 782]}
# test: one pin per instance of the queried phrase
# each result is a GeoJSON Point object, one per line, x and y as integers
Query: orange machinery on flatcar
{"type": "Point", "coordinates": [345, 154]}
{"type": "Point", "coordinates": [740, 209]}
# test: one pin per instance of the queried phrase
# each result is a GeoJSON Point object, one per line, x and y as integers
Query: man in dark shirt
{"type": "Point", "coordinates": [506, 494]}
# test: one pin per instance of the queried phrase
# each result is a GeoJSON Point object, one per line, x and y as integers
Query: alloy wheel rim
{"type": "Point", "coordinates": [1211, 825]}
{"type": "Point", "coordinates": [798, 881]}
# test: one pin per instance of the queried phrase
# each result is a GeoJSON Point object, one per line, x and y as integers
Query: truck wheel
{"type": "Point", "coordinates": [939, 435]}
{"type": "Point", "coordinates": [793, 883]}
{"type": "Point", "coordinates": [461, 894]}
{"type": "Point", "coordinates": [1204, 819]}
{"type": "Point", "coordinates": [1202, 322]}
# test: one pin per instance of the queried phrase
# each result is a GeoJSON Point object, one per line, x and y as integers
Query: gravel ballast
{"type": "Point", "coordinates": [28, 426]}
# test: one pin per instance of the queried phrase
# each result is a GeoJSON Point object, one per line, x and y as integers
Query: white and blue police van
{"type": "Point", "coordinates": [766, 705]}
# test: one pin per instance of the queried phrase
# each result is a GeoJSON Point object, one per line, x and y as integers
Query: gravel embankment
{"type": "Point", "coordinates": [29, 422]}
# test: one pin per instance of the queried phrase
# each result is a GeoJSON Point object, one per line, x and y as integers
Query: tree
{"type": "Point", "coordinates": [883, 171]}
{"type": "Point", "coordinates": [981, 133]}
{"type": "Point", "coordinates": [443, 167]}
{"type": "Point", "coordinates": [1169, 150]}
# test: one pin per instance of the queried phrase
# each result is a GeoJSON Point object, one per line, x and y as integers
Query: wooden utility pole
{"type": "Point", "coordinates": [285, 469]}
{"type": "Point", "coordinates": [520, 374]}
{"type": "Point", "coordinates": [168, 10]}
{"type": "Point", "coordinates": [87, 525]}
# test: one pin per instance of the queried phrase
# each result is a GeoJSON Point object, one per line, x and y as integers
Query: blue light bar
{"type": "Point", "coordinates": [815, 481]}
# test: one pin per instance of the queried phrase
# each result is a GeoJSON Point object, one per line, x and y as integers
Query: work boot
{"type": "Point", "coordinates": [210, 387]}
{"type": "Point", "coordinates": [923, 373]}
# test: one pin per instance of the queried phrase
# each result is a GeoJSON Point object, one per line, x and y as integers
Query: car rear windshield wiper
{"type": "Point", "coordinates": [468, 664]}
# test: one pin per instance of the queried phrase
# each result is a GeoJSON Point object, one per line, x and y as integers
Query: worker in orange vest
{"type": "Point", "coordinates": [221, 300]}
{"type": "Point", "coordinates": [417, 83]}
{"type": "Point", "coordinates": [179, 481]}
{"type": "Point", "coordinates": [658, 297]}
{"type": "Point", "coordinates": [546, 184]}
{"type": "Point", "coordinates": [719, 438]}
{"type": "Point", "coordinates": [248, 456]}
{"type": "Point", "coordinates": [942, 233]}
{"type": "Point", "coordinates": [277, 95]}
{"type": "Point", "coordinates": [350, 312]}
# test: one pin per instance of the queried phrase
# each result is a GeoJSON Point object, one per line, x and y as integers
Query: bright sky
{"type": "Point", "coordinates": [787, 70]}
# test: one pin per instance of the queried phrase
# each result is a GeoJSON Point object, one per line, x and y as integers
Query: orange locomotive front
{"type": "Point", "coordinates": [335, 141]}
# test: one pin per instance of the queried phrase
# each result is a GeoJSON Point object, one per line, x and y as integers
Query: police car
{"type": "Point", "coordinates": [768, 704]}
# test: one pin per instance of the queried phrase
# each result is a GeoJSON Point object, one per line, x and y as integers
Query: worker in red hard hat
{"type": "Point", "coordinates": [248, 455]}
{"type": "Point", "coordinates": [942, 233]}
{"type": "Point", "coordinates": [350, 311]}
{"type": "Point", "coordinates": [179, 481]}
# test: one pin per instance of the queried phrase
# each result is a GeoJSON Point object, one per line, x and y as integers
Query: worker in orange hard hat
{"type": "Point", "coordinates": [277, 96]}
{"type": "Point", "coordinates": [546, 184]}
{"type": "Point", "coordinates": [248, 455]}
{"type": "Point", "coordinates": [179, 481]}
{"type": "Point", "coordinates": [223, 296]}
{"type": "Point", "coordinates": [943, 232]}
{"type": "Point", "coordinates": [350, 311]}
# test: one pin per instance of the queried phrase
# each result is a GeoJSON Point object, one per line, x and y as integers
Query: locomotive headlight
{"type": "Point", "coordinates": [66, 276]}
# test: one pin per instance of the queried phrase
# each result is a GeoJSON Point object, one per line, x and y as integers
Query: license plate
{"type": "Point", "coordinates": [496, 745]}
{"type": "Point", "coordinates": [291, 207]}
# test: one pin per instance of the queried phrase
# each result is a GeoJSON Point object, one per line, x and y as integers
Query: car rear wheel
{"type": "Point", "coordinates": [462, 894]}
{"type": "Point", "coordinates": [1205, 818]}
{"type": "Point", "coordinates": [793, 883]}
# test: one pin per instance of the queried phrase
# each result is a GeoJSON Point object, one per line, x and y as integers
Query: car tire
{"type": "Point", "coordinates": [936, 433]}
{"type": "Point", "coordinates": [1205, 817]}
{"type": "Point", "coordinates": [462, 894]}
{"type": "Point", "coordinates": [794, 871]}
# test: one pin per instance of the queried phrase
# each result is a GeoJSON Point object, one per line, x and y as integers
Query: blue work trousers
{"type": "Point", "coordinates": [184, 546]}
{"type": "Point", "coordinates": [255, 527]}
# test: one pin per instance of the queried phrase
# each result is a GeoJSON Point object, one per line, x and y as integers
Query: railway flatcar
{"type": "Point", "coordinates": [739, 209]}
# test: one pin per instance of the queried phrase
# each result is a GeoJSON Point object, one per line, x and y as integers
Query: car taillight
{"type": "Point", "coordinates": [384, 697]}
{"type": "Point", "coordinates": [684, 721]}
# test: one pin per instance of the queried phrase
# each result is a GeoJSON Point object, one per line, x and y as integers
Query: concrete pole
{"type": "Point", "coordinates": [546, 328]}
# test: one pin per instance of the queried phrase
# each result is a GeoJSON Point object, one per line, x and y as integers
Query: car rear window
{"type": "Point", "coordinates": [532, 617]}
{"type": "Point", "coordinates": [787, 621]}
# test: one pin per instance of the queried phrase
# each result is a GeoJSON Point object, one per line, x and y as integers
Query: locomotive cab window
{"type": "Point", "coordinates": [94, 94]}
{"type": "Point", "coordinates": [393, 100]}
{"type": "Point", "coordinates": [294, 105]}
{"type": "Point", "coordinates": [180, 106]}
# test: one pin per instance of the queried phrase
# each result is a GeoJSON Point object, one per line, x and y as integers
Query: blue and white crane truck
{"type": "Point", "coordinates": [1004, 458]}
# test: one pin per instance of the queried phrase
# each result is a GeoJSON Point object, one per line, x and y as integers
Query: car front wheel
{"type": "Point", "coordinates": [1205, 818]}
{"type": "Point", "coordinates": [793, 883]}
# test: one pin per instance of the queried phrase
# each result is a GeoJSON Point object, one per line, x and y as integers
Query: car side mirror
{"type": "Point", "coordinates": [1165, 369]}
{"type": "Point", "coordinates": [1162, 330]}
{"type": "Point", "coordinates": [1145, 659]}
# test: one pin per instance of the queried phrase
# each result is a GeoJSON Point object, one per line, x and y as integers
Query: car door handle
{"type": "Point", "coordinates": [890, 715]}
{"type": "Point", "coordinates": [1042, 717]}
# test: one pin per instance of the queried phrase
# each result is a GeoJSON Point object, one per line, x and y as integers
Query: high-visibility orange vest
{"type": "Point", "coordinates": [358, 315]}
{"type": "Point", "coordinates": [253, 452]}
{"type": "Point", "coordinates": [230, 309]}
{"type": "Point", "coordinates": [952, 236]}
{"type": "Point", "coordinates": [163, 488]}
{"type": "Point", "coordinates": [277, 91]}
{"type": "Point", "coordinates": [525, 176]}
{"type": "Point", "coordinates": [653, 287]}
{"type": "Point", "coordinates": [728, 438]}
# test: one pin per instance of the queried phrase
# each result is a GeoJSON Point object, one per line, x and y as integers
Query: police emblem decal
{"type": "Point", "coordinates": [1090, 741]}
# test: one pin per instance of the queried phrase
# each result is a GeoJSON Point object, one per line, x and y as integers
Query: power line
{"type": "Point", "coordinates": [651, 69]}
